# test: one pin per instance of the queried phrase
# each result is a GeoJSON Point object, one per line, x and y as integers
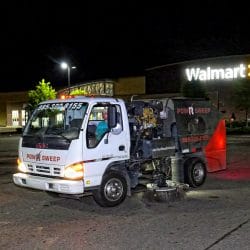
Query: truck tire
{"type": "Point", "coordinates": [195, 172]}
{"type": "Point", "coordinates": [112, 191]}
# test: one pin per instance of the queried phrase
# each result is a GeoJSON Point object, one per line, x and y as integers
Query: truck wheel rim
{"type": "Point", "coordinates": [113, 189]}
{"type": "Point", "coordinates": [198, 172]}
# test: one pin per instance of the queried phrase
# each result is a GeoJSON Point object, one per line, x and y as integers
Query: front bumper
{"type": "Point", "coordinates": [49, 184]}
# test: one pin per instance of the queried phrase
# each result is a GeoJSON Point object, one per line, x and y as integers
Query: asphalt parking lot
{"type": "Point", "coordinates": [214, 216]}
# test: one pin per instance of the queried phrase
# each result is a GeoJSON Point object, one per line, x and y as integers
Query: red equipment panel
{"type": "Point", "coordinates": [215, 150]}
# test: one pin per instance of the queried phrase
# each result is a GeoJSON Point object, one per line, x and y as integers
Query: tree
{"type": "Point", "coordinates": [194, 89]}
{"type": "Point", "coordinates": [241, 96]}
{"type": "Point", "coordinates": [42, 92]}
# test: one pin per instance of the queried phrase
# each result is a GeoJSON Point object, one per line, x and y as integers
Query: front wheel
{"type": "Point", "coordinates": [195, 172]}
{"type": "Point", "coordinates": [112, 191]}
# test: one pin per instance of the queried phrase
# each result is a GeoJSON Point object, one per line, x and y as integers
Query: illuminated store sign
{"type": "Point", "coordinates": [209, 73]}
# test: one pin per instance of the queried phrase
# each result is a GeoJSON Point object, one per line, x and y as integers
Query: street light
{"type": "Point", "coordinates": [64, 65]}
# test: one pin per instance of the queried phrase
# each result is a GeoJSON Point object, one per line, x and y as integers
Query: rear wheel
{"type": "Point", "coordinates": [195, 172]}
{"type": "Point", "coordinates": [112, 191]}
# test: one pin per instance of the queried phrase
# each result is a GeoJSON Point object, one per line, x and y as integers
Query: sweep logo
{"type": "Point", "coordinates": [40, 157]}
{"type": "Point", "coordinates": [192, 111]}
{"type": "Point", "coordinates": [209, 73]}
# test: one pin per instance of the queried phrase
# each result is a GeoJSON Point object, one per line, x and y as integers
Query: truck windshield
{"type": "Point", "coordinates": [56, 119]}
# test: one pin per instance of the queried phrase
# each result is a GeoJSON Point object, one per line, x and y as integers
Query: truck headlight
{"type": "Point", "coordinates": [74, 171]}
{"type": "Point", "coordinates": [21, 166]}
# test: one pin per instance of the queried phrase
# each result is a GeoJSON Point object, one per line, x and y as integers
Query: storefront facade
{"type": "Point", "coordinates": [12, 109]}
{"type": "Point", "coordinates": [122, 87]}
{"type": "Point", "coordinates": [13, 104]}
{"type": "Point", "coordinates": [218, 76]}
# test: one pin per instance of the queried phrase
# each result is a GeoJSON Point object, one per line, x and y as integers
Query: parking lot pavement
{"type": "Point", "coordinates": [214, 216]}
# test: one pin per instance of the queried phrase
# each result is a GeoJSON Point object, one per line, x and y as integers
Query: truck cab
{"type": "Point", "coordinates": [60, 150]}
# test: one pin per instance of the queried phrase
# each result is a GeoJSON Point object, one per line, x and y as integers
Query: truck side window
{"type": "Point", "coordinates": [102, 126]}
{"type": "Point", "coordinates": [97, 125]}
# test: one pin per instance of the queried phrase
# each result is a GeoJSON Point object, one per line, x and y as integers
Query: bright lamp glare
{"type": "Point", "coordinates": [21, 167]}
{"type": "Point", "coordinates": [64, 65]}
{"type": "Point", "coordinates": [74, 171]}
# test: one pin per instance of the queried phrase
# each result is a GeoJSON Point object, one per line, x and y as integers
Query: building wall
{"type": "Point", "coordinates": [12, 101]}
{"type": "Point", "coordinates": [3, 114]}
{"type": "Point", "coordinates": [130, 86]}
{"type": "Point", "coordinates": [165, 79]}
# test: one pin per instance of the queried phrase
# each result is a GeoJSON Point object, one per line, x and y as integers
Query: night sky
{"type": "Point", "coordinates": [110, 39]}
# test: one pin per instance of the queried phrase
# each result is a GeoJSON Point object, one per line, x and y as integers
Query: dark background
{"type": "Point", "coordinates": [108, 39]}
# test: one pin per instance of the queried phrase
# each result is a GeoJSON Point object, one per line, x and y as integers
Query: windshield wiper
{"type": "Point", "coordinates": [63, 136]}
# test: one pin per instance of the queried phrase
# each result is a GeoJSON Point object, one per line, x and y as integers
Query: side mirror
{"type": "Point", "coordinates": [112, 116]}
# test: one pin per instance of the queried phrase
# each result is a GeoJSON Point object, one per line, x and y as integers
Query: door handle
{"type": "Point", "coordinates": [121, 148]}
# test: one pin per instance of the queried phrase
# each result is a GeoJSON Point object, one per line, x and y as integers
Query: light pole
{"type": "Point", "coordinates": [64, 65]}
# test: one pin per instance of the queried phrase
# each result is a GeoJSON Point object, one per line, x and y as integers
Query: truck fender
{"type": "Point", "coordinates": [120, 167]}
{"type": "Point", "coordinates": [200, 155]}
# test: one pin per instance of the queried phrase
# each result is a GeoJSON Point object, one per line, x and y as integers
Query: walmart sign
{"type": "Point", "coordinates": [210, 73]}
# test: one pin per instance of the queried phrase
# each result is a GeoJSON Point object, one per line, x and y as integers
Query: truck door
{"type": "Point", "coordinates": [103, 145]}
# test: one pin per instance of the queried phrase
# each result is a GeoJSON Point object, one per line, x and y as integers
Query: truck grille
{"type": "Point", "coordinates": [45, 170]}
